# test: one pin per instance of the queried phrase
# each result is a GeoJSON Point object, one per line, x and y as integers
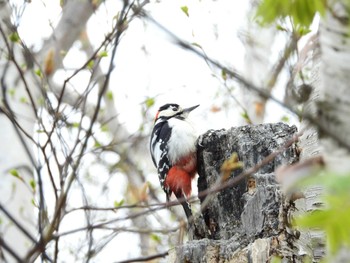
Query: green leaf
{"type": "Point", "coordinates": [281, 28]}
{"type": "Point", "coordinates": [276, 259]}
{"type": "Point", "coordinates": [38, 73]}
{"type": "Point", "coordinates": [104, 128]}
{"type": "Point", "coordinates": [224, 74]}
{"type": "Point", "coordinates": [196, 45]}
{"type": "Point", "coordinates": [12, 92]}
{"type": "Point", "coordinates": [34, 203]}
{"type": "Point", "coordinates": [41, 101]}
{"type": "Point", "coordinates": [301, 12]}
{"type": "Point", "coordinates": [185, 10]}
{"type": "Point", "coordinates": [15, 173]}
{"type": "Point", "coordinates": [90, 64]}
{"type": "Point", "coordinates": [155, 238]}
{"type": "Point", "coordinates": [267, 11]}
{"type": "Point", "coordinates": [333, 220]}
{"type": "Point", "coordinates": [149, 102]}
{"type": "Point", "coordinates": [118, 204]}
{"type": "Point", "coordinates": [32, 184]}
{"type": "Point", "coordinates": [23, 100]}
{"type": "Point", "coordinates": [320, 6]}
{"type": "Point", "coordinates": [285, 119]}
{"type": "Point", "coordinates": [246, 116]}
{"type": "Point", "coordinates": [75, 124]}
{"type": "Point", "coordinates": [331, 182]}
{"type": "Point", "coordinates": [103, 54]}
{"type": "Point", "coordinates": [302, 31]}
{"type": "Point", "coordinates": [14, 37]}
{"type": "Point", "coordinates": [97, 144]}
{"type": "Point", "coordinates": [109, 95]}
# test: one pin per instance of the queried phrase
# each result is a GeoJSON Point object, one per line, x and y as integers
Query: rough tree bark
{"type": "Point", "coordinates": [333, 107]}
{"type": "Point", "coordinates": [248, 222]}
{"type": "Point", "coordinates": [328, 59]}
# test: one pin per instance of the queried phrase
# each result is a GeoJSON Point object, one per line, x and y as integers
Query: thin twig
{"type": "Point", "coordinates": [288, 50]}
{"type": "Point", "coordinates": [117, 229]}
{"type": "Point", "coordinates": [9, 250]}
{"type": "Point", "coordinates": [143, 259]}
{"type": "Point", "coordinates": [17, 224]}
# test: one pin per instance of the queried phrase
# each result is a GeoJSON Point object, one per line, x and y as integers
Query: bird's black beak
{"type": "Point", "coordinates": [188, 110]}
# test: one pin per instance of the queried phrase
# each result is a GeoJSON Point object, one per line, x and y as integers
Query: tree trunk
{"type": "Point", "coordinates": [248, 222]}
{"type": "Point", "coordinates": [333, 107]}
{"type": "Point", "coordinates": [329, 104]}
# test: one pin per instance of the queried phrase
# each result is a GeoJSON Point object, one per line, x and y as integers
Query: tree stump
{"type": "Point", "coordinates": [249, 221]}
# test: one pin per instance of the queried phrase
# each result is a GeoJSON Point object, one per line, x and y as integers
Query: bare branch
{"type": "Point", "coordinates": [9, 249]}
{"type": "Point", "coordinates": [143, 259]}
{"type": "Point", "coordinates": [7, 213]}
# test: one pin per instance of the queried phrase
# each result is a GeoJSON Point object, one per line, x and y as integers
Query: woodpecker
{"type": "Point", "coordinates": [173, 152]}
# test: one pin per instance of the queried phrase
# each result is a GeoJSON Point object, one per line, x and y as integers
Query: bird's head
{"type": "Point", "coordinates": [171, 110]}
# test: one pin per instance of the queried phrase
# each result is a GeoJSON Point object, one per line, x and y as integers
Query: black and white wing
{"type": "Point", "coordinates": [160, 152]}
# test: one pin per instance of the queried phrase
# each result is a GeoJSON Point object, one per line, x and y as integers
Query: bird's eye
{"type": "Point", "coordinates": [174, 109]}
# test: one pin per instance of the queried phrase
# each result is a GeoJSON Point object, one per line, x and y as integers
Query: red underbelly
{"type": "Point", "coordinates": [181, 174]}
{"type": "Point", "coordinates": [188, 164]}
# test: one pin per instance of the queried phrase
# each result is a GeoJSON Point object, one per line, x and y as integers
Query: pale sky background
{"type": "Point", "coordinates": [148, 64]}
